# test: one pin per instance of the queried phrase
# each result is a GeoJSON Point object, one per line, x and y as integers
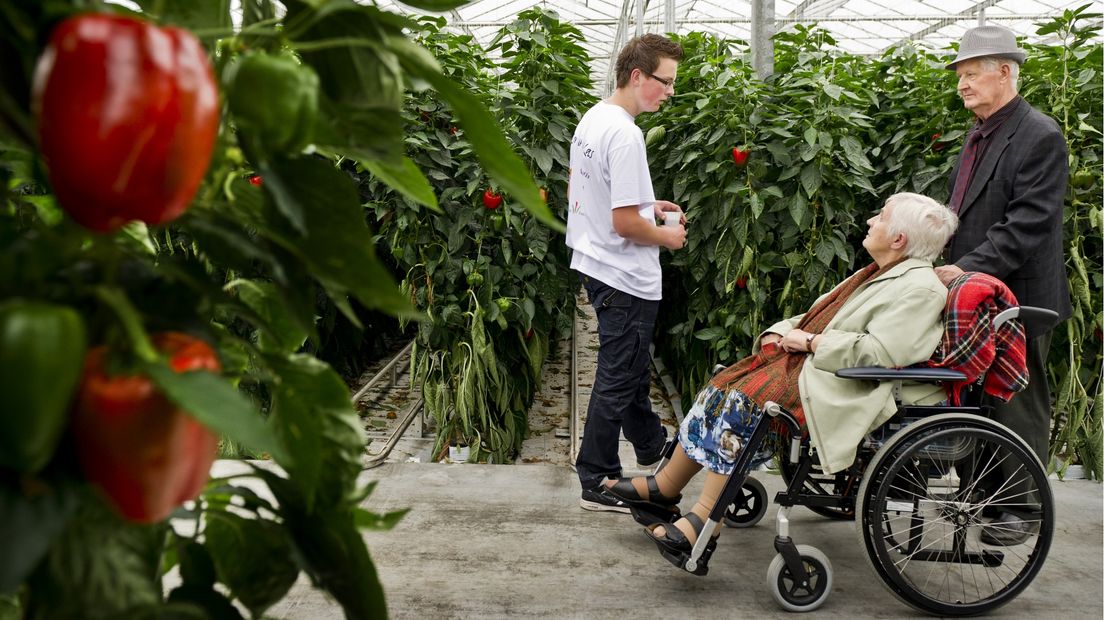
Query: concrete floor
{"type": "Point", "coordinates": [500, 541]}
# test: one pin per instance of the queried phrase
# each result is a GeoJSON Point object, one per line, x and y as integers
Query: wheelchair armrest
{"type": "Point", "coordinates": [878, 373]}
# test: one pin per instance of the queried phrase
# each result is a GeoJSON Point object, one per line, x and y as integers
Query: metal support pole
{"type": "Point", "coordinates": [669, 17]}
{"type": "Point", "coordinates": [640, 17]}
{"type": "Point", "coordinates": [762, 29]}
{"type": "Point", "coordinates": [981, 17]}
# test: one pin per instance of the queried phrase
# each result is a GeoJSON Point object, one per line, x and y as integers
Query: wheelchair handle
{"type": "Point", "coordinates": [1035, 320]}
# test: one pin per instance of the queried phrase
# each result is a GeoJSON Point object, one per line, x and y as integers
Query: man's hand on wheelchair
{"type": "Point", "coordinates": [947, 273]}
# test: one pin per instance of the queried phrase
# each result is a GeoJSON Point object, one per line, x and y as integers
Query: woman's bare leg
{"type": "Point", "coordinates": [671, 479]}
{"type": "Point", "coordinates": [714, 484]}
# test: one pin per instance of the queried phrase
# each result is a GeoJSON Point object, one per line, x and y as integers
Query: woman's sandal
{"type": "Point", "coordinates": [626, 492]}
{"type": "Point", "coordinates": [649, 514]}
{"type": "Point", "coordinates": [676, 547]}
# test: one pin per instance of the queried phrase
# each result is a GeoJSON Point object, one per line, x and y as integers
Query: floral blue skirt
{"type": "Point", "coordinates": [718, 426]}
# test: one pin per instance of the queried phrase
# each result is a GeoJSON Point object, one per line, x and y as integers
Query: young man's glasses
{"type": "Point", "coordinates": [667, 82]}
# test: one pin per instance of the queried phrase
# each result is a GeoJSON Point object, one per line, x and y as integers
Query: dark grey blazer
{"type": "Point", "coordinates": [1010, 222]}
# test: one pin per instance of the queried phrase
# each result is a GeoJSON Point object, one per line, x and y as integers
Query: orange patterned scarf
{"type": "Point", "coordinates": [772, 373]}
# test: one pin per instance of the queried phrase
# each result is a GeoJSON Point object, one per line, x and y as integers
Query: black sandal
{"type": "Point", "coordinates": [676, 548]}
{"type": "Point", "coordinates": [626, 492]}
{"type": "Point", "coordinates": [649, 514]}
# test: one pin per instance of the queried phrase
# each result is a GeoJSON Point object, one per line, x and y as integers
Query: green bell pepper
{"type": "Point", "coordinates": [41, 355]}
{"type": "Point", "coordinates": [274, 100]}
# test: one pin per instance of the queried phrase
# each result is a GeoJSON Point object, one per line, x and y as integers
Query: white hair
{"type": "Point", "coordinates": [926, 224]}
{"type": "Point", "coordinates": [993, 63]}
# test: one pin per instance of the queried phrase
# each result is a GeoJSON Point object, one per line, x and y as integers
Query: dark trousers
{"type": "Point", "coordinates": [1027, 415]}
{"type": "Point", "coordinates": [619, 401]}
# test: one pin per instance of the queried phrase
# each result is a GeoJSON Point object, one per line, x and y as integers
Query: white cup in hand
{"type": "Point", "coordinates": [671, 218]}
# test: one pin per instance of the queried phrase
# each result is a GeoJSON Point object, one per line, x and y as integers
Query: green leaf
{"type": "Point", "coordinates": [811, 136]}
{"type": "Point", "coordinates": [381, 523]}
{"type": "Point", "coordinates": [99, 563]}
{"type": "Point", "coordinates": [439, 6]}
{"type": "Point", "coordinates": [193, 15]}
{"type": "Point", "coordinates": [811, 178]}
{"type": "Point", "coordinates": [29, 524]}
{"type": "Point", "coordinates": [336, 242]}
{"type": "Point", "coordinates": [316, 423]}
{"type": "Point", "coordinates": [406, 178]}
{"type": "Point", "coordinates": [709, 334]}
{"type": "Point", "coordinates": [284, 335]}
{"type": "Point", "coordinates": [216, 404]}
{"type": "Point", "coordinates": [253, 557]}
{"type": "Point", "coordinates": [332, 549]}
{"type": "Point", "coordinates": [797, 208]}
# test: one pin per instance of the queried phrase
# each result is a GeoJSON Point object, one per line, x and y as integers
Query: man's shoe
{"type": "Point", "coordinates": [648, 461]}
{"type": "Point", "coordinates": [598, 500]}
{"type": "Point", "coordinates": [1006, 530]}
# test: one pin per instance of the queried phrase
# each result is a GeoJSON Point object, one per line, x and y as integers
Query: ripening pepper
{"type": "Point", "coordinates": [127, 115]}
{"type": "Point", "coordinates": [41, 349]}
{"type": "Point", "coordinates": [491, 200]}
{"type": "Point", "coordinates": [274, 100]}
{"type": "Point", "coordinates": [133, 443]}
{"type": "Point", "coordinates": [740, 156]}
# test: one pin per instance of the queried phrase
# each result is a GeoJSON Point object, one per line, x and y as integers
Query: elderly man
{"type": "Point", "coordinates": [1008, 189]}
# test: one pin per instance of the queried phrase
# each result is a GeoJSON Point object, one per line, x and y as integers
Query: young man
{"type": "Point", "coordinates": [611, 228]}
{"type": "Point", "coordinates": [1008, 189]}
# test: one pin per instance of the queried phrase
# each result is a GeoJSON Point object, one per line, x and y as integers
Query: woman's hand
{"type": "Point", "coordinates": [770, 338]}
{"type": "Point", "coordinates": [796, 341]}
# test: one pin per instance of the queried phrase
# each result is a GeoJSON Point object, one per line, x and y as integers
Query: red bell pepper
{"type": "Point", "coordinates": [740, 156]}
{"type": "Point", "coordinates": [127, 117]}
{"type": "Point", "coordinates": [133, 443]}
{"type": "Point", "coordinates": [491, 200]}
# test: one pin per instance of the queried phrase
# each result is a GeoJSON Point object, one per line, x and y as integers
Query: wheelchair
{"type": "Point", "coordinates": [914, 493]}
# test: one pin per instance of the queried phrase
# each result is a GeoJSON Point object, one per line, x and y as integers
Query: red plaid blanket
{"type": "Point", "coordinates": [970, 345]}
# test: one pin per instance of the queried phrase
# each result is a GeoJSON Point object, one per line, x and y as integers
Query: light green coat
{"type": "Point", "coordinates": [893, 320]}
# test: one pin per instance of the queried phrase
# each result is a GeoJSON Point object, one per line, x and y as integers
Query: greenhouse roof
{"type": "Point", "coordinates": [859, 26]}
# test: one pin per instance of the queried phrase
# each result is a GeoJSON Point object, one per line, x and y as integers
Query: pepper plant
{"type": "Point", "coordinates": [231, 280]}
{"type": "Point", "coordinates": [1065, 81]}
{"type": "Point", "coordinates": [492, 281]}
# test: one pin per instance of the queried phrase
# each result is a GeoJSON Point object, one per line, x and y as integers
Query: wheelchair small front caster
{"type": "Point", "coordinates": [749, 506]}
{"type": "Point", "coordinates": [802, 592]}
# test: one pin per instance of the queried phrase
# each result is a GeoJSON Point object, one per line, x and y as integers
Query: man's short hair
{"type": "Point", "coordinates": [926, 224]}
{"type": "Point", "coordinates": [993, 63]}
{"type": "Point", "coordinates": [644, 53]}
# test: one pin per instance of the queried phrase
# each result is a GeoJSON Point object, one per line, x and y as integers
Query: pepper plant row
{"type": "Point", "coordinates": [492, 281]}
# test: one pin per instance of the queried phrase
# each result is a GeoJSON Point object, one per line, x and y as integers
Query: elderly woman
{"type": "Point", "coordinates": [887, 314]}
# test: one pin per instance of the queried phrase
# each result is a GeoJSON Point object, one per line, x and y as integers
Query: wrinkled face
{"type": "Point", "coordinates": [983, 90]}
{"type": "Point", "coordinates": [653, 92]}
{"type": "Point", "coordinates": [878, 239]}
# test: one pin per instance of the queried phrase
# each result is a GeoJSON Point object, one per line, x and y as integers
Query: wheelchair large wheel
{"type": "Point", "coordinates": [843, 484]}
{"type": "Point", "coordinates": [922, 511]}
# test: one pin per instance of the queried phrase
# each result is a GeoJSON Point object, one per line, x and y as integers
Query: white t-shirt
{"type": "Point", "coordinates": [609, 169]}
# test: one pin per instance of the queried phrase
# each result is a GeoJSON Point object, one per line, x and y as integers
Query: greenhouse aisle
{"type": "Point", "coordinates": [491, 541]}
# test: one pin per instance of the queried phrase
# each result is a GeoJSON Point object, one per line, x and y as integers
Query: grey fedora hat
{"type": "Point", "coordinates": [988, 41]}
